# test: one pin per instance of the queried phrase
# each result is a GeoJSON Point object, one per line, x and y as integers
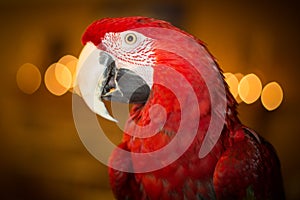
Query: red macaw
{"type": "Point", "coordinates": [176, 89]}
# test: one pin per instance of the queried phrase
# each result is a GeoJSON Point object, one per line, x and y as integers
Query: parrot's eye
{"type": "Point", "coordinates": [130, 38]}
{"type": "Point", "coordinates": [130, 41]}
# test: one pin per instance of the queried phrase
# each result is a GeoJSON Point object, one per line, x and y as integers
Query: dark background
{"type": "Point", "coordinates": [40, 152]}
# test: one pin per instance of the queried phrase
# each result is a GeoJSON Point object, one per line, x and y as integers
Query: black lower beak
{"type": "Point", "coordinates": [122, 85]}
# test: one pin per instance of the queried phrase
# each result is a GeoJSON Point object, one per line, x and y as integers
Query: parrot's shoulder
{"type": "Point", "coordinates": [248, 163]}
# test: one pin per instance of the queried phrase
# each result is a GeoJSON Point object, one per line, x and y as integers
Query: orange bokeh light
{"type": "Point", "coordinates": [249, 88]}
{"type": "Point", "coordinates": [28, 78]}
{"type": "Point", "coordinates": [272, 96]}
{"type": "Point", "coordinates": [233, 83]}
{"type": "Point", "coordinates": [58, 79]}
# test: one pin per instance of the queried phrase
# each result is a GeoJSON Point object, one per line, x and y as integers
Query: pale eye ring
{"type": "Point", "coordinates": [130, 38]}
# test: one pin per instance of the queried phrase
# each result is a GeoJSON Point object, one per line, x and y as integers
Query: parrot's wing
{"type": "Point", "coordinates": [248, 169]}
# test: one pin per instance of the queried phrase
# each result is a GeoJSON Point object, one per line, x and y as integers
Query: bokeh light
{"type": "Point", "coordinates": [63, 75]}
{"type": "Point", "coordinates": [72, 68]}
{"type": "Point", "coordinates": [66, 59]}
{"type": "Point", "coordinates": [233, 83]}
{"type": "Point", "coordinates": [249, 88]}
{"type": "Point", "coordinates": [239, 77]}
{"type": "Point", "coordinates": [58, 79]}
{"type": "Point", "coordinates": [271, 96]}
{"type": "Point", "coordinates": [28, 78]}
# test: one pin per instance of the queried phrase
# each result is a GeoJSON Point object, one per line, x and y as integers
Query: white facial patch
{"type": "Point", "coordinates": [132, 51]}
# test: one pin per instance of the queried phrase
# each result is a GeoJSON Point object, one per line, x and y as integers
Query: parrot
{"type": "Point", "coordinates": [183, 138]}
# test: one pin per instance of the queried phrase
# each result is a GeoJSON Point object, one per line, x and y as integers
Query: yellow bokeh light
{"type": "Point", "coordinates": [249, 88]}
{"type": "Point", "coordinates": [71, 63]}
{"type": "Point", "coordinates": [233, 83]}
{"type": "Point", "coordinates": [72, 68]}
{"type": "Point", "coordinates": [63, 75]}
{"type": "Point", "coordinates": [28, 78]}
{"type": "Point", "coordinates": [66, 59]}
{"type": "Point", "coordinates": [58, 79]}
{"type": "Point", "coordinates": [239, 77]}
{"type": "Point", "coordinates": [271, 96]}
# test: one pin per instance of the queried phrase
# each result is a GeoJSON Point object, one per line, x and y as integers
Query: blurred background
{"type": "Point", "coordinates": [41, 154]}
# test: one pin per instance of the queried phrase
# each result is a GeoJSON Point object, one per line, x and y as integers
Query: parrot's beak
{"type": "Point", "coordinates": [123, 85]}
{"type": "Point", "coordinates": [90, 75]}
{"type": "Point", "coordinates": [99, 77]}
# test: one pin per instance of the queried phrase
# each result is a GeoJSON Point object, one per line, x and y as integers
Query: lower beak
{"type": "Point", "coordinates": [123, 85]}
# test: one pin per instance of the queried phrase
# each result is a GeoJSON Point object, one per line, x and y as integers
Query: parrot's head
{"type": "Point", "coordinates": [121, 57]}
{"type": "Point", "coordinates": [126, 56]}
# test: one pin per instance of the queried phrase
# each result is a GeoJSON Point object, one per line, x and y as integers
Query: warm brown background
{"type": "Point", "coordinates": [40, 152]}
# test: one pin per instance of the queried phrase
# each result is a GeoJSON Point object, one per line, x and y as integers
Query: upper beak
{"type": "Point", "coordinates": [99, 78]}
{"type": "Point", "coordinates": [91, 73]}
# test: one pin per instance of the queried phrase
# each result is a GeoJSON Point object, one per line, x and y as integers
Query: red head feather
{"type": "Point", "coordinates": [96, 31]}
